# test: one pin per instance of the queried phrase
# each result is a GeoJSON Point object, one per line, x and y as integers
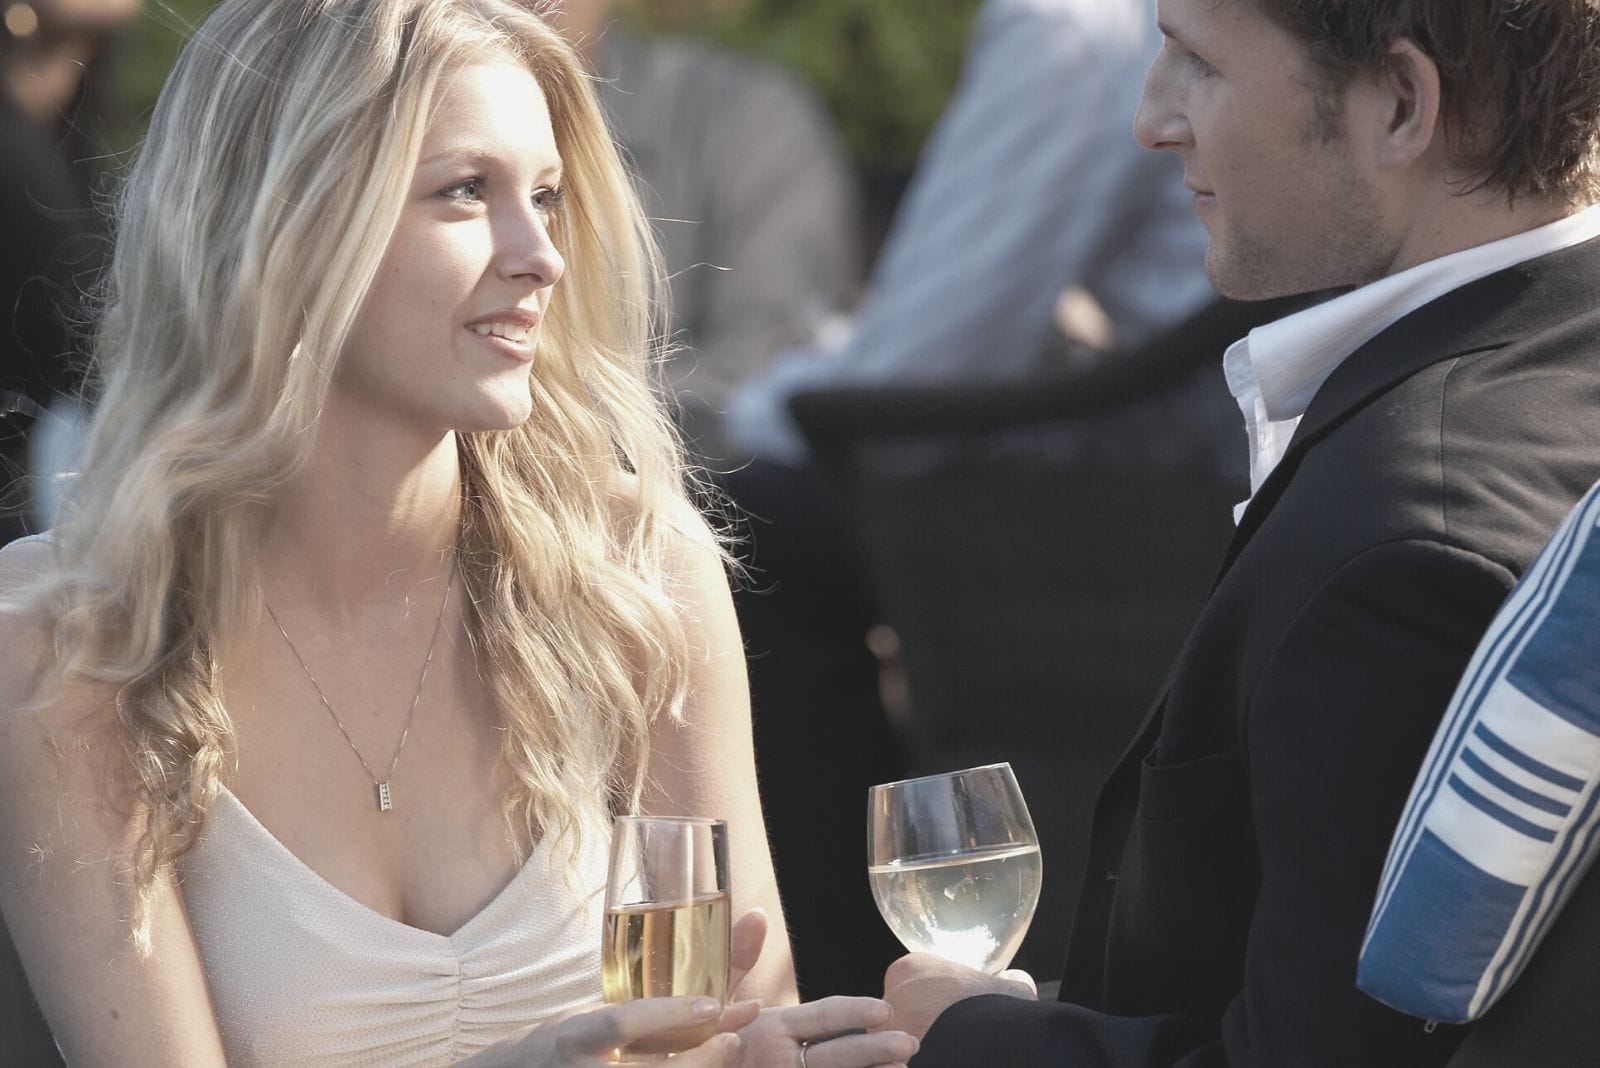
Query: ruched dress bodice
{"type": "Point", "coordinates": [302, 974]}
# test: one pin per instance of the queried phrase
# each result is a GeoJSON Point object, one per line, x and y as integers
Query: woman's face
{"type": "Point", "coordinates": [445, 339]}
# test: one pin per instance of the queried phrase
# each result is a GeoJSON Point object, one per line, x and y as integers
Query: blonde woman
{"type": "Point", "coordinates": [379, 592]}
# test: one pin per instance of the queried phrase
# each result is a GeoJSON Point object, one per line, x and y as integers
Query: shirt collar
{"type": "Point", "coordinates": [1288, 360]}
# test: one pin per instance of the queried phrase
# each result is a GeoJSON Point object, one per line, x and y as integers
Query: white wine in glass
{"type": "Point", "coordinates": [954, 864]}
{"type": "Point", "coordinates": [667, 919]}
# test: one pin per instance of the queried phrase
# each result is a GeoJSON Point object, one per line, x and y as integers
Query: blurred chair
{"type": "Point", "coordinates": [24, 1037]}
{"type": "Point", "coordinates": [1041, 550]}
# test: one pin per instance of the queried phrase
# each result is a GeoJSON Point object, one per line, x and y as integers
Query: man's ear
{"type": "Point", "coordinates": [1407, 106]}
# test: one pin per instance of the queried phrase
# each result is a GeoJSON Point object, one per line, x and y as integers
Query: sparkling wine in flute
{"type": "Point", "coordinates": [667, 920]}
{"type": "Point", "coordinates": [667, 951]}
{"type": "Point", "coordinates": [973, 908]}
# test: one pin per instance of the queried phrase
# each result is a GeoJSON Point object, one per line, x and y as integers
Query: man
{"type": "Point", "coordinates": [1412, 443]}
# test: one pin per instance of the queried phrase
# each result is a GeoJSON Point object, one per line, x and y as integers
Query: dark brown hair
{"type": "Point", "coordinates": [1520, 79]}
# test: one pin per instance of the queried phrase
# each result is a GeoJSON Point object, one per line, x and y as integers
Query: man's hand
{"type": "Point", "coordinates": [921, 986]}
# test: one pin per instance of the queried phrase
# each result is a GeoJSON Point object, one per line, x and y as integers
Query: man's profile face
{"type": "Point", "coordinates": [1289, 202]}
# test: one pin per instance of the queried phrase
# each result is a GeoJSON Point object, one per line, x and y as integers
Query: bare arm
{"type": "Point", "coordinates": [705, 766]}
{"type": "Point", "coordinates": [65, 849]}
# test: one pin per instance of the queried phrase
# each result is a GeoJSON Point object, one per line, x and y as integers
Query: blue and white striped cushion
{"type": "Point", "coordinates": [1504, 818]}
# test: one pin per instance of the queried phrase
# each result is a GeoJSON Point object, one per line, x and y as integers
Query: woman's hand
{"type": "Point", "coordinates": [590, 1038]}
{"type": "Point", "coordinates": [776, 1037]}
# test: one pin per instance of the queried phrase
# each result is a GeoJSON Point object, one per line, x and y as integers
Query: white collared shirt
{"type": "Point", "coordinates": [1276, 369]}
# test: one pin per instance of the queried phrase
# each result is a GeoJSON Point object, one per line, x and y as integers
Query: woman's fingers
{"type": "Point", "coordinates": [611, 1026]}
{"type": "Point", "coordinates": [722, 1051]}
{"type": "Point", "coordinates": [862, 1051]}
{"type": "Point", "coordinates": [744, 946]}
{"type": "Point", "coordinates": [738, 1014]}
{"type": "Point", "coordinates": [829, 1016]}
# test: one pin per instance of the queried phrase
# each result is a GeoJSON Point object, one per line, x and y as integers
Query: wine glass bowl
{"type": "Point", "coordinates": [668, 917]}
{"type": "Point", "coordinates": [954, 864]}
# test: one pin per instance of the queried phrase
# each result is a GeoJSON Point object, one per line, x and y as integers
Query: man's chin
{"type": "Point", "coordinates": [1329, 261]}
{"type": "Point", "coordinates": [1257, 281]}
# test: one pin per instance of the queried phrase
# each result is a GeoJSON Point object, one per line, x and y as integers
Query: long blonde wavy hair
{"type": "Point", "coordinates": [249, 231]}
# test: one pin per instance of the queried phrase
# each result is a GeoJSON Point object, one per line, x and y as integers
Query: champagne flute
{"type": "Point", "coordinates": [667, 919]}
{"type": "Point", "coordinates": [954, 864]}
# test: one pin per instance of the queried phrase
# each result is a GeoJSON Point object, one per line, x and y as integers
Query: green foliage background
{"type": "Point", "coordinates": [885, 67]}
{"type": "Point", "coordinates": [153, 43]}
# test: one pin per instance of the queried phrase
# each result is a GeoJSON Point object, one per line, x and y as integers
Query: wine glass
{"type": "Point", "coordinates": [667, 919]}
{"type": "Point", "coordinates": [954, 864]}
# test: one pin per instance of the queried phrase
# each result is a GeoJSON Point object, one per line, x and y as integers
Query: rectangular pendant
{"type": "Point", "coordinates": [384, 804]}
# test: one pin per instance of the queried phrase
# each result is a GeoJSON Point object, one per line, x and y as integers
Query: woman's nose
{"type": "Point", "coordinates": [527, 251]}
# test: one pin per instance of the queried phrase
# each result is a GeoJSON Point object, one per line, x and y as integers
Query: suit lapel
{"type": "Point", "coordinates": [1491, 312]}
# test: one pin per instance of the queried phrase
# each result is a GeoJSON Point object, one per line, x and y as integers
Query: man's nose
{"type": "Point", "coordinates": [1159, 123]}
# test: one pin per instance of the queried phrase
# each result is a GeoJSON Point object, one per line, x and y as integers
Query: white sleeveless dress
{"type": "Point", "coordinates": [303, 974]}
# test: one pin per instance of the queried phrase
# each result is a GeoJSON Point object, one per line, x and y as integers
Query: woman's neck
{"type": "Point", "coordinates": [360, 526]}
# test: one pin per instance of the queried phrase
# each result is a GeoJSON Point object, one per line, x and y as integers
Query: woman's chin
{"type": "Point", "coordinates": [497, 413]}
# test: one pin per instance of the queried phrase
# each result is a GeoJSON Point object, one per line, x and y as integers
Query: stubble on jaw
{"type": "Point", "coordinates": [1341, 242]}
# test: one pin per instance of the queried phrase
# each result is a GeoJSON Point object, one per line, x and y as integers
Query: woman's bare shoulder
{"type": "Point", "coordinates": [25, 646]}
{"type": "Point", "coordinates": [58, 741]}
{"type": "Point", "coordinates": [23, 560]}
{"type": "Point", "coordinates": [32, 701]}
{"type": "Point", "coordinates": [683, 519]}
{"type": "Point", "coordinates": [68, 839]}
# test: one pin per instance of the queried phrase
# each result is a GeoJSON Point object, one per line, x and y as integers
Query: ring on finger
{"type": "Point", "coordinates": [803, 1055]}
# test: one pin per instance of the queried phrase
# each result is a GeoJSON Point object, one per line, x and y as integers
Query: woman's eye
{"type": "Point", "coordinates": [548, 198]}
{"type": "Point", "coordinates": [466, 189]}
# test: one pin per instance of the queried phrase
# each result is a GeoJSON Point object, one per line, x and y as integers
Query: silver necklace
{"type": "Point", "coordinates": [380, 786]}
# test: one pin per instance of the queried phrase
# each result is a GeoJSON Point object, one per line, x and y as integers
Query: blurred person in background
{"type": "Point", "coordinates": [745, 178]}
{"type": "Point", "coordinates": [51, 251]}
{"type": "Point", "coordinates": [1031, 207]}
{"type": "Point", "coordinates": [375, 407]}
{"type": "Point", "coordinates": [1030, 188]}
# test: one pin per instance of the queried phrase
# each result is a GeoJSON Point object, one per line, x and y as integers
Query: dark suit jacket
{"type": "Point", "coordinates": [1237, 847]}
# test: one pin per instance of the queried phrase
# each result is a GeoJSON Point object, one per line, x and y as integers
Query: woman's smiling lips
{"type": "Point", "coordinates": [510, 331]}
